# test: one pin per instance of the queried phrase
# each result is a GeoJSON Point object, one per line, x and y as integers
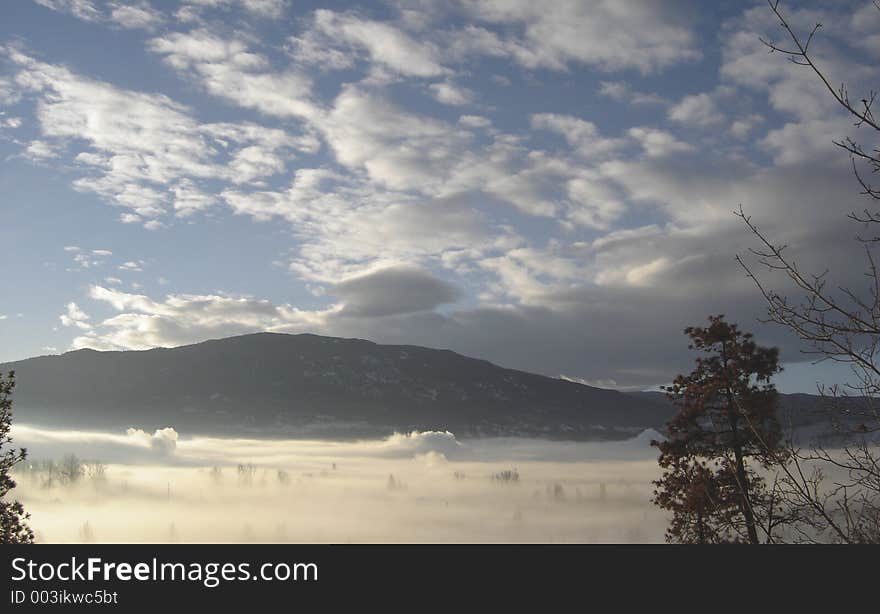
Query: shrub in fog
{"type": "Point", "coordinates": [508, 476]}
{"type": "Point", "coordinates": [246, 473]}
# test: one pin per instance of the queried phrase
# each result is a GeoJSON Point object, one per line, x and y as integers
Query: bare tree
{"type": "Point", "coordinates": [96, 471]}
{"type": "Point", "coordinates": [832, 491]}
{"type": "Point", "coordinates": [71, 469]}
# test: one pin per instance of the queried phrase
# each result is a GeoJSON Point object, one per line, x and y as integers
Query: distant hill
{"type": "Point", "coordinates": [309, 385]}
{"type": "Point", "coordinates": [799, 410]}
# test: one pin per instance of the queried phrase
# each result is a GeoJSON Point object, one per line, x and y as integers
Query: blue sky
{"type": "Point", "coordinates": [550, 188]}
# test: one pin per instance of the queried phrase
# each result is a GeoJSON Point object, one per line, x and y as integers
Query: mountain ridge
{"type": "Point", "coordinates": [312, 384]}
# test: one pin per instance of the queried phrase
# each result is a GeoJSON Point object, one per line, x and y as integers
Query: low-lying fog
{"type": "Point", "coordinates": [417, 487]}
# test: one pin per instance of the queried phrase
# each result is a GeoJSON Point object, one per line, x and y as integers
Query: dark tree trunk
{"type": "Point", "coordinates": [745, 503]}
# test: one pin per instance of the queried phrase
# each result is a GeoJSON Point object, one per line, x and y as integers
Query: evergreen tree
{"type": "Point", "coordinates": [13, 525]}
{"type": "Point", "coordinates": [726, 425]}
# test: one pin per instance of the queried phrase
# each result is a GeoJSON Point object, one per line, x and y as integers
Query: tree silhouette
{"type": "Point", "coordinates": [13, 518]}
{"type": "Point", "coordinates": [727, 417]}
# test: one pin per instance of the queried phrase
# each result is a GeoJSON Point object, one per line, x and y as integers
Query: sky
{"type": "Point", "coordinates": [547, 186]}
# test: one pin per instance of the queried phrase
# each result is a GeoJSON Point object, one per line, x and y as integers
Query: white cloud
{"type": "Point", "coordinates": [643, 34]}
{"type": "Point", "coordinates": [581, 135]}
{"type": "Point", "coordinates": [179, 319]}
{"type": "Point", "coordinates": [313, 49]}
{"type": "Point", "coordinates": [227, 69]}
{"type": "Point", "coordinates": [791, 89]}
{"type": "Point", "coordinates": [528, 275]}
{"type": "Point", "coordinates": [474, 121]}
{"type": "Point", "coordinates": [865, 27]}
{"type": "Point", "coordinates": [132, 265]}
{"type": "Point", "coordinates": [451, 94]}
{"type": "Point", "coordinates": [41, 150]}
{"type": "Point", "coordinates": [10, 122]}
{"type": "Point", "coordinates": [594, 201]}
{"type": "Point", "coordinates": [135, 15]}
{"type": "Point", "coordinates": [81, 9]}
{"type": "Point", "coordinates": [398, 149]}
{"type": "Point", "coordinates": [347, 228]}
{"type": "Point", "coordinates": [621, 91]}
{"type": "Point", "coordinates": [702, 232]}
{"type": "Point", "coordinates": [697, 109]}
{"type": "Point", "coordinates": [261, 8]}
{"type": "Point", "coordinates": [384, 44]}
{"type": "Point", "coordinates": [89, 259]}
{"type": "Point", "coordinates": [743, 126]}
{"type": "Point", "coordinates": [266, 8]}
{"type": "Point", "coordinates": [421, 442]}
{"type": "Point", "coordinates": [163, 441]}
{"type": "Point", "coordinates": [189, 199]}
{"type": "Point", "coordinates": [807, 140]}
{"type": "Point", "coordinates": [75, 317]}
{"type": "Point", "coordinates": [658, 143]}
{"type": "Point", "coordinates": [532, 181]}
{"type": "Point", "coordinates": [145, 152]}
{"type": "Point", "coordinates": [9, 93]}
{"type": "Point", "coordinates": [538, 183]}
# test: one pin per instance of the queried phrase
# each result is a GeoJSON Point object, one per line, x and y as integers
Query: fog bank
{"type": "Point", "coordinates": [413, 487]}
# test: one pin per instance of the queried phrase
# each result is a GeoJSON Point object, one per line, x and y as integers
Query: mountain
{"type": "Point", "coordinates": [310, 385]}
{"type": "Point", "coordinates": [801, 410]}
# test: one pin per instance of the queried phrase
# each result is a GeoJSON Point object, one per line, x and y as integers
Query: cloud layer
{"type": "Point", "coordinates": [540, 186]}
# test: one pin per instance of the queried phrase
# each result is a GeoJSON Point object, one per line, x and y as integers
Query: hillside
{"type": "Point", "coordinates": [310, 385]}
